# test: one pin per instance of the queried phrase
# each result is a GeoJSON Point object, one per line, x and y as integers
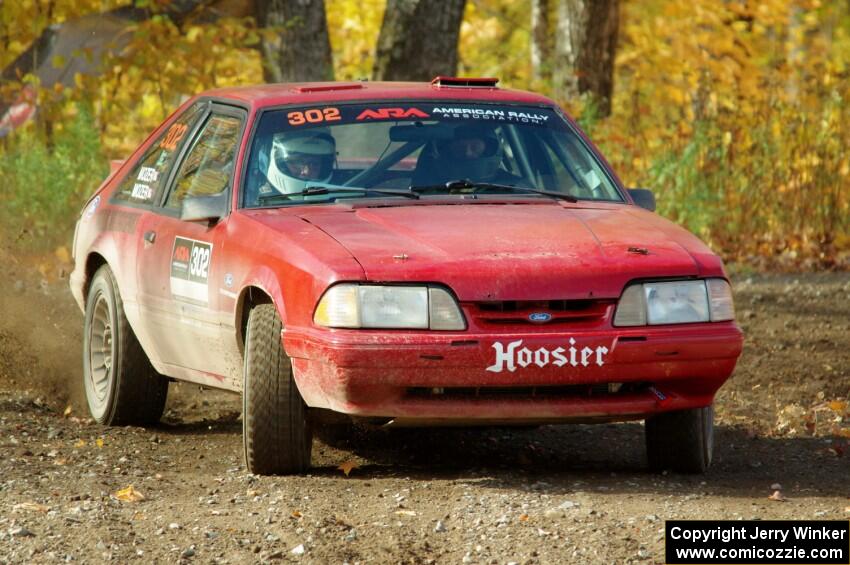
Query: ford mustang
{"type": "Point", "coordinates": [398, 254]}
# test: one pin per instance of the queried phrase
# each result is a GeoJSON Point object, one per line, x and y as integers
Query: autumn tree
{"type": "Point", "coordinates": [295, 45]}
{"type": "Point", "coordinates": [585, 45]}
{"type": "Point", "coordinates": [418, 39]}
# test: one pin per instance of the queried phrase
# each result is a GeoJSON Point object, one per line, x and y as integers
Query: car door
{"type": "Point", "coordinates": [179, 265]}
{"type": "Point", "coordinates": [135, 199]}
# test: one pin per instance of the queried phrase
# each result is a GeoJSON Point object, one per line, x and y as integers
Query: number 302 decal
{"type": "Point", "coordinates": [190, 269]}
{"type": "Point", "coordinates": [173, 136]}
{"type": "Point", "coordinates": [313, 116]}
{"type": "Point", "coordinates": [200, 262]}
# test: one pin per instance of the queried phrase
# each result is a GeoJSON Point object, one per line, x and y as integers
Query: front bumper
{"type": "Point", "coordinates": [421, 378]}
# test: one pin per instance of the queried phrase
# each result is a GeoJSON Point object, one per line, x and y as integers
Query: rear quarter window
{"type": "Point", "coordinates": [144, 183]}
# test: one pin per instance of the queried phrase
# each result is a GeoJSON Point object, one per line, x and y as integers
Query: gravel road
{"type": "Point", "coordinates": [546, 495]}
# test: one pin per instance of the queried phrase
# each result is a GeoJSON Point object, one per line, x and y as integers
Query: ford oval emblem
{"type": "Point", "coordinates": [540, 317]}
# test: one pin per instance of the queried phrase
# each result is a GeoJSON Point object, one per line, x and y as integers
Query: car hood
{"type": "Point", "coordinates": [513, 251]}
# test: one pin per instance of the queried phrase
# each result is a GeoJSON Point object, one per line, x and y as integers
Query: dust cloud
{"type": "Point", "coordinates": [40, 329]}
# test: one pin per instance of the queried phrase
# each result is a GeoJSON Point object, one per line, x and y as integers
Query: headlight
{"type": "Point", "coordinates": [350, 305]}
{"type": "Point", "coordinates": [677, 302]}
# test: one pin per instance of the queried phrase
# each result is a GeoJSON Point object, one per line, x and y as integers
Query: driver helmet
{"type": "Point", "coordinates": [474, 153]}
{"type": "Point", "coordinates": [300, 160]}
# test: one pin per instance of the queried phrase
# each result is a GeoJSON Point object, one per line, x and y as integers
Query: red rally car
{"type": "Point", "coordinates": [407, 254]}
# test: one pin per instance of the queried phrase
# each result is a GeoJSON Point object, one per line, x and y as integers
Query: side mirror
{"type": "Point", "coordinates": [204, 208]}
{"type": "Point", "coordinates": [643, 197]}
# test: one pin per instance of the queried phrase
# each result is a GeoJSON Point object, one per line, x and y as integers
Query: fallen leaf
{"type": "Point", "coordinates": [129, 494]}
{"type": "Point", "coordinates": [296, 514]}
{"type": "Point", "coordinates": [348, 466]}
{"type": "Point", "coordinates": [252, 493]}
{"type": "Point", "coordinates": [99, 442]}
{"type": "Point", "coordinates": [31, 506]}
{"type": "Point", "coordinates": [60, 461]}
{"type": "Point", "coordinates": [62, 254]}
{"type": "Point", "coordinates": [67, 412]}
{"type": "Point", "coordinates": [838, 406]}
{"type": "Point", "coordinates": [405, 513]}
{"type": "Point", "coordinates": [777, 496]}
{"type": "Point", "coordinates": [80, 443]}
{"type": "Point", "coordinates": [523, 518]}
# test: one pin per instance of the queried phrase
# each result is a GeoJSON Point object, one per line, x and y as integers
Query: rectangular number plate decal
{"type": "Point", "coordinates": [190, 270]}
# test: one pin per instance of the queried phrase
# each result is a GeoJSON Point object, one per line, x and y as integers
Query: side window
{"type": "Point", "coordinates": [208, 167]}
{"type": "Point", "coordinates": [144, 183]}
{"type": "Point", "coordinates": [576, 171]}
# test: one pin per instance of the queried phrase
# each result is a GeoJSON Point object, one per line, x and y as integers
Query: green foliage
{"type": "Point", "coordinates": [46, 184]}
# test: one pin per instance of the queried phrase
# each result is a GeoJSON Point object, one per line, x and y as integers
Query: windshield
{"type": "Point", "coordinates": [320, 154]}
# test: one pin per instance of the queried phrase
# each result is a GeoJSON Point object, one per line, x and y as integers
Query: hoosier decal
{"type": "Point", "coordinates": [190, 269]}
{"type": "Point", "coordinates": [510, 355]}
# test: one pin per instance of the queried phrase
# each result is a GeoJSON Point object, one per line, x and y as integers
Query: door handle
{"type": "Point", "coordinates": [150, 236]}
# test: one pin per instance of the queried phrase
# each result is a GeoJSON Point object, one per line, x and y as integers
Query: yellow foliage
{"type": "Point", "coordinates": [353, 29]}
{"type": "Point", "coordinates": [737, 113]}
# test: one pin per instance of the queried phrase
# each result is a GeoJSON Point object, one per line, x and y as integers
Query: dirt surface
{"type": "Point", "coordinates": [549, 495]}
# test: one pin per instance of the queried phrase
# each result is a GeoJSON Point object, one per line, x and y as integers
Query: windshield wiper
{"type": "Point", "coordinates": [320, 190]}
{"type": "Point", "coordinates": [473, 187]}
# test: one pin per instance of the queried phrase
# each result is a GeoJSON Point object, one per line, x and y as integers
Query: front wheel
{"type": "Point", "coordinates": [121, 385]}
{"type": "Point", "coordinates": [681, 441]}
{"type": "Point", "coordinates": [277, 436]}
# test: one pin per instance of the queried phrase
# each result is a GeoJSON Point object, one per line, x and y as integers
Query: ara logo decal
{"type": "Point", "coordinates": [390, 113]}
{"type": "Point", "coordinates": [540, 317]}
{"type": "Point", "coordinates": [512, 355]}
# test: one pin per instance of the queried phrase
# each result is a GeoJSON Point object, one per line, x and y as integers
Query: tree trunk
{"type": "Point", "coordinates": [301, 50]}
{"type": "Point", "coordinates": [541, 51]}
{"type": "Point", "coordinates": [585, 46]}
{"type": "Point", "coordinates": [418, 39]}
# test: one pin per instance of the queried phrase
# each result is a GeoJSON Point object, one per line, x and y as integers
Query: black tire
{"type": "Point", "coordinates": [681, 441]}
{"type": "Point", "coordinates": [122, 388]}
{"type": "Point", "coordinates": [277, 436]}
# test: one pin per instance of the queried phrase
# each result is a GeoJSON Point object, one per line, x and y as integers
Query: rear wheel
{"type": "Point", "coordinates": [278, 438]}
{"type": "Point", "coordinates": [121, 385]}
{"type": "Point", "coordinates": [681, 441]}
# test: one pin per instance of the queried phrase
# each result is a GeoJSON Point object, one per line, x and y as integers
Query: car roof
{"type": "Point", "coordinates": [265, 95]}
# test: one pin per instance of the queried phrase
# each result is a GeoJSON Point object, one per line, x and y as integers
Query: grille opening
{"type": "Point", "coordinates": [632, 338]}
{"type": "Point", "coordinates": [548, 305]}
{"type": "Point", "coordinates": [561, 311]}
{"type": "Point", "coordinates": [595, 390]}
